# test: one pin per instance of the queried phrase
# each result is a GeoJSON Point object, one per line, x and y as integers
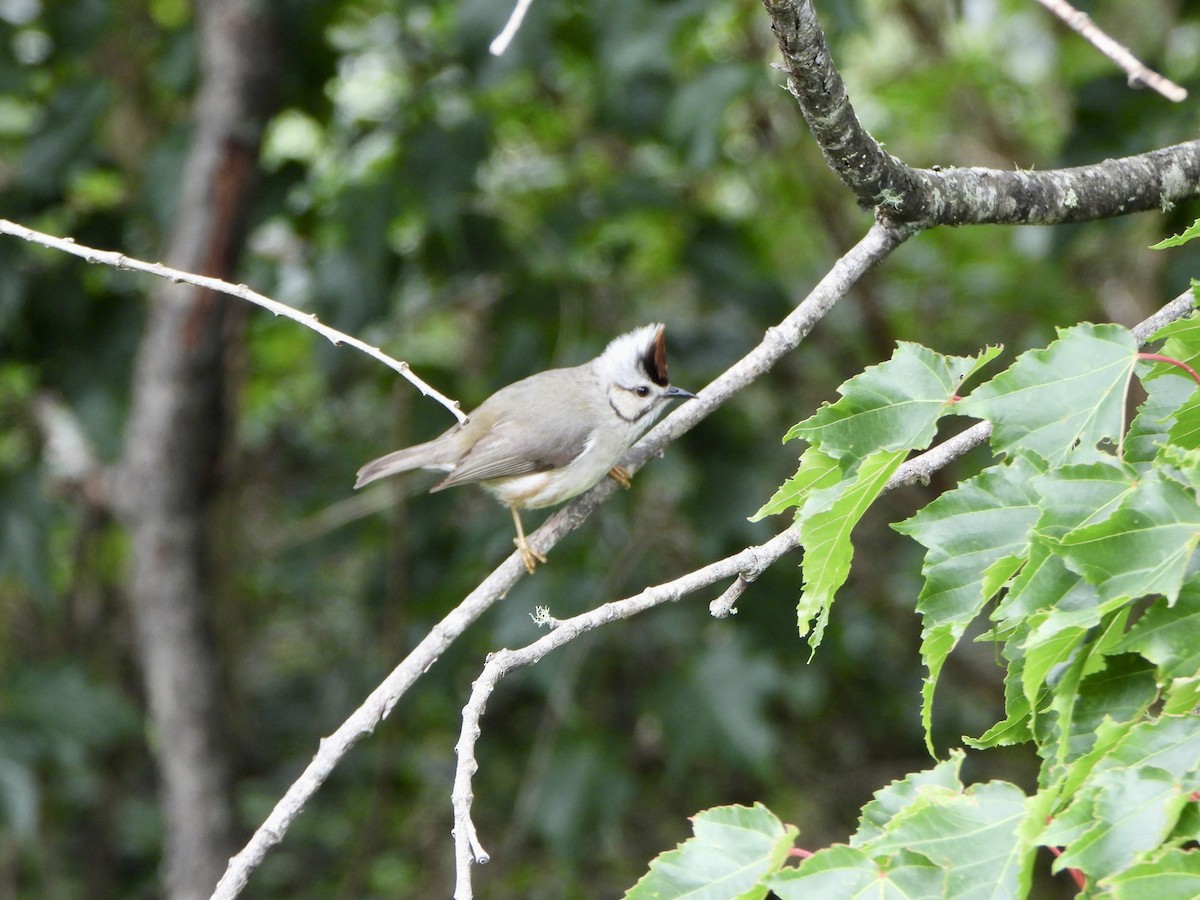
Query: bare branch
{"type": "Point", "coordinates": [467, 848]}
{"type": "Point", "coordinates": [500, 43]}
{"type": "Point", "coordinates": [879, 241]}
{"type": "Point", "coordinates": [308, 320]}
{"type": "Point", "coordinates": [963, 196]}
{"type": "Point", "coordinates": [1139, 74]}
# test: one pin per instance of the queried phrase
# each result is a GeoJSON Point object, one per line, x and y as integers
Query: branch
{"type": "Point", "coordinates": [879, 241]}
{"type": "Point", "coordinates": [1139, 74]}
{"type": "Point", "coordinates": [500, 43]}
{"type": "Point", "coordinates": [308, 320]}
{"type": "Point", "coordinates": [467, 848]}
{"type": "Point", "coordinates": [928, 197]}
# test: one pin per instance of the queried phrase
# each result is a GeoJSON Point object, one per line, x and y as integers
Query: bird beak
{"type": "Point", "coordinates": [675, 393]}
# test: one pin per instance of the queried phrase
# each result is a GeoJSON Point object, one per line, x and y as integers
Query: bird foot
{"type": "Point", "coordinates": [529, 556]}
{"type": "Point", "coordinates": [620, 476]}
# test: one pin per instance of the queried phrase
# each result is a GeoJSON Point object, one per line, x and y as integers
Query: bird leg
{"type": "Point", "coordinates": [620, 475]}
{"type": "Point", "coordinates": [529, 556]}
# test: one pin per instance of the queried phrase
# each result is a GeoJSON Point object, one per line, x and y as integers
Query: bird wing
{"type": "Point", "coordinates": [511, 448]}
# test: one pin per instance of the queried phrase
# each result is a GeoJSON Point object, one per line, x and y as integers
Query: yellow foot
{"type": "Point", "coordinates": [620, 476]}
{"type": "Point", "coordinates": [529, 556]}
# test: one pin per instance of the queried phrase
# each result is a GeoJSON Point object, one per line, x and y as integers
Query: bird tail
{"type": "Point", "coordinates": [422, 456]}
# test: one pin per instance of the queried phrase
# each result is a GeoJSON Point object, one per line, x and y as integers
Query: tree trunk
{"type": "Point", "coordinates": [168, 473]}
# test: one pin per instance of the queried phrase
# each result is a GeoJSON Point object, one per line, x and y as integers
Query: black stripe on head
{"type": "Point", "coordinates": [654, 360]}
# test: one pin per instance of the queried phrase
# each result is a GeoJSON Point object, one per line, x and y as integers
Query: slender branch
{"type": "Point", "coordinates": [879, 241]}
{"type": "Point", "coordinates": [1140, 75]}
{"type": "Point", "coordinates": [308, 320]}
{"type": "Point", "coordinates": [500, 43]}
{"type": "Point", "coordinates": [467, 848]}
{"type": "Point", "coordinates": [962, 196]}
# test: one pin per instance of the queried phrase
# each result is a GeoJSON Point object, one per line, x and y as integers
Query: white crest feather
{"type": "Point", "coordinates": [621, 361]}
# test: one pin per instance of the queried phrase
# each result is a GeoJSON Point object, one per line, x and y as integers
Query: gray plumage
{"type": "Point", "coordinates": [546, 438]}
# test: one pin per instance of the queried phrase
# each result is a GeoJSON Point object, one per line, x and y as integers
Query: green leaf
{"type": "Point", "coordinates": [1118, 814]}
{"type": "Point", "coordinates": [973, 835]}
{"type": "Point", "coordinates": [1156, 415]}
{"type": "Point", "coordinates": [1142, 548]}
{"type": "Point", "coordinates": [1190, 233]}
{"type": "Point", "coordinates": [892, 406]}
{"type": "Point", "coordinates": [1172, 875]}
{"type": "Point", "coordinates": [1015, 727]}
{"type": "Point", "coordinates": [734, 848]}
{"type": "Point", "coordinates": [846, 873]}
{"type": "Point", "coordinates": [818, 471]}
{"type": "Point", "coordinates": [1181, 338]}
{"type": "Point", "coordinates": [1060, 401]}
{"type": "Point", "coordinates": [1182, 696]}
{"type": "Point", "coordinates": [1167, 388]}
{"type": "Point", "coordinates": [825, 537]}
{"type": "Point", "coordinates": [1120, 688]}
{"type": "Point", "coordinates": [1169, 636]}
{"type": "Point", "coordinates": [889, 801]}
{"type": "Point", "coordinates": [1185, 430]}
{"type": "Point", "coordinates": [966, 531]}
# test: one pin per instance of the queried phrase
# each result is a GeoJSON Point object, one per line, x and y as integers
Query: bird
{"type": "Point", "coordinates": [547, 438]}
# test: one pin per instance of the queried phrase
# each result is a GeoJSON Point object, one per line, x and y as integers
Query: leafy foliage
{"type": "Point", "coordinates": [1078, 549]}
{"type": "Point", "coordinates": [482, 218]}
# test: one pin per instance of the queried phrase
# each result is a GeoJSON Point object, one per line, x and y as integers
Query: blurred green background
{"type": "Point", "coordinates": [483, 219]}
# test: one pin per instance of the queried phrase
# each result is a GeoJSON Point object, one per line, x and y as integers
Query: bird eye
{"type": "Point", "coordinates": [642, 391]}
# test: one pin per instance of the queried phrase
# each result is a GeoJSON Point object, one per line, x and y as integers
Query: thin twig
{"type": "Point", "coordinates": [726, 605]}
{"type": "Point", "coordinates": [308, 320]}
{"type": "Point", "coordinates": [1140, 75]}
{"type": "Point", "coordinates": [500, 43]}
{"type": "Point", "coordinates": [467, 848]}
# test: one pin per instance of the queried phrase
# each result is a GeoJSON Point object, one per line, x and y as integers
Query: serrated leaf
{"type": "Point", "coordinates": [1015, 727]}
{"type": "Point", "coordinates": [1180, 465]}
{"type": "Point", "coordinates": [892, 406]}
{"type": "Point", "coordinates": [1172, 875]}
{"type": "Point", "coordinates": [1165, 392]}
{"type": "Point", "coordinates": [1177, 240]}
{"type": "Point", "coordinates": [1169, 636]}
{"type": "Point", "coordinates": [1170, 743]}
{"type": "Point", "coordinates": [1182, 337]}
{"type": "Point", "coordinates": [1118, 814]}
{"type": "Point", "coordinates": [1108, 735]}
{"type": "Point", "coordinates": [1122, 691]}
{"type": "Point", "coordinates": [1142, 548]}
{"type": "Point", "coordinates": [974, 836]}
{"type": "Point", "coordinates": [1078, 495]}
{"type": "Point", "coordinates": [845, 873]}
{"type": "Point", "coordinates": [1061, 401]}
{"type": "Point", "coordinates": [734, 848]}
{"type": "Point", "coordinates": [1181, 696]}
{"type": "Point", "coordinates": [1185, 430]}
{"type": "Point", "coordinates": [825, 537]}
{"type": "Point", "coordinates": [889, 801]}
{"type": "Point", "coordinates": [1046, 656]}
{"type": "Point", "coordinates": [966, 530]}
{"type": "Point", "coordinates": [818, 470]}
